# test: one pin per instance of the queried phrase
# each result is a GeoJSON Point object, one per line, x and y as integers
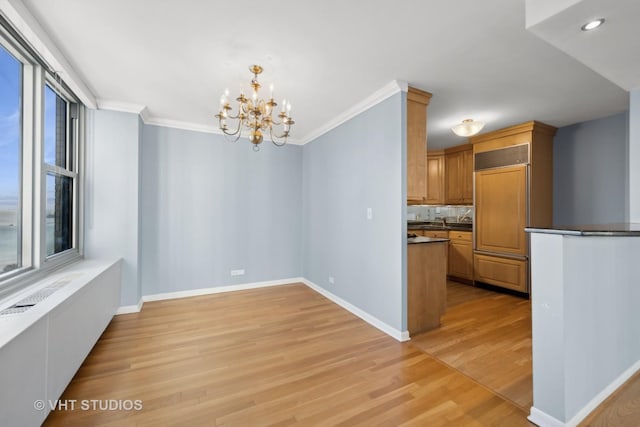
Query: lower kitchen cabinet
{"type": "Point", "coordinates": [439, 234]}
{"type": "Point", "coordinates": [426, 285]}
{"type": "Point", "coordinates": [510, 273]}
{"type": "Point", "coordinates": [460, 255]}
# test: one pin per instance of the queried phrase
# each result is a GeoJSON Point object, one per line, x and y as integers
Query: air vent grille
{"type": "Point", "coordinates": [36, 297]}
{"type": "Point", "coordinates": [510, 156]}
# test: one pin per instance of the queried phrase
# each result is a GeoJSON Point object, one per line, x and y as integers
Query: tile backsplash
{"type": "Point", "coordinates": [431, 212]}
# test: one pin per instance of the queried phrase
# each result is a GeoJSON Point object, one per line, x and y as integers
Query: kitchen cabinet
{"type": "Point", "coordinates": [458, 175]}
{"type": "Point", "coordinates": [510, 273]}
{"type": "Point", "coordinates": [513, 190]}
{"type": "Point", "coordinates": [460, 255]}
{"type": "Point", "coordinates": [501, 195]}
{"type": "Point", "coordinates": [440, 234]}
{"type": "Point", "coordinates": [417, 101]}
{"type": "Point", "coordinates": [435, 178]}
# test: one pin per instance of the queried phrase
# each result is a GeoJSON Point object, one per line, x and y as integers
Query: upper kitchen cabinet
{"type": "Point", "coordinates": [417, 101]}
{"type": "Point", "coordinates": [435, 178]}
{"type": "Point", "coordinates": [458, 175]}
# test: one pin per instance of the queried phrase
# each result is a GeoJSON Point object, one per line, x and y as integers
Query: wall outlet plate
{"type": "Point", "coordinates": [331, 279]}
{"type": "Point", "coordinates": [237, 272]}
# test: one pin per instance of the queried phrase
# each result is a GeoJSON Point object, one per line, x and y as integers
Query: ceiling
{"type": "Point", "coordinates": [177, 57]}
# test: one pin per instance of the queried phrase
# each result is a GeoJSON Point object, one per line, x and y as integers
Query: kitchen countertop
{"type": "Point", "coordinates": [422, 239]}
{"type": "Point", "coordinates": [618, 229]}
{"type": "Point", "coordinates": [428, 225]}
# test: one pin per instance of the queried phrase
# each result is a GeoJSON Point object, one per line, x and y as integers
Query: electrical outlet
{"type": "Point", "coordinates": [331, 279]}
{"type": "Point", "coordinates": [237, 272]}
{"type": "Point", "coordinates": [369, 213]}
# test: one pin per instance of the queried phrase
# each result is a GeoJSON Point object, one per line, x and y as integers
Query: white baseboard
{"type": "Point", "coordinates": [602, 396]}
{"type": "Point", "coordinates": [542, 419]}
{"type": "Point", "coordinates": [373, 321]}
{"type": "Point", "coordinates": [128, 309]}
{"type": "Point", "coordinates": [204, 291]}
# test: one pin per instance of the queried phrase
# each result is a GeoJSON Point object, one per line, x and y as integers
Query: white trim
{"type": "Point", "coordinates": [372, 320]}
{"type": "Point", "coordinates": [31, 31]}
{"type": "Point", "coordinates": [543, 419]}
{"type": "Point", "coordinates": [125, 107]}
{"type": "Point", "coordinates": [604, 394]}
{"type": "Point", "coordinates": [375, 98]}
{"type": "Point", "coordinates": [219, 289]}
{"type": "Point", "coordinates": [127, 309]}
{"type": "Point", "coordinates": [178, 124]}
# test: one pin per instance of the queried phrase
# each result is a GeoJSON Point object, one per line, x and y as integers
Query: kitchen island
{"type": "Point", "coordinates": [585, 324]}
{"type": "Point", "coordinates": [426, 282]}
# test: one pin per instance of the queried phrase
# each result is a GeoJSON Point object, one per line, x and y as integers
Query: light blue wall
{"type": "Point", "coordinates": [209, 206]}
{"type": "Point", "coordinates": [112, 194]}
{"type": "Point", "coordinates": [591, 172]}
{"type": "Point", "coordinates": [633, 188]}
{"type": "Point", "coordinates": [356, 166]}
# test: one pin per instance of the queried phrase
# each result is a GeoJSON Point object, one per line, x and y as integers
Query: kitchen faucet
{"type": "Point", "coordinates": [464, 216]}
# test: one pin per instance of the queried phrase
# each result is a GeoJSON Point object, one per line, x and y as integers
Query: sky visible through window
{"type": "Point", "coordinates": [10, 107]}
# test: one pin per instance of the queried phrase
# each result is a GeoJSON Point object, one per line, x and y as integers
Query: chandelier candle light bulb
{"type": "Point", "coordinates": [255, 115]}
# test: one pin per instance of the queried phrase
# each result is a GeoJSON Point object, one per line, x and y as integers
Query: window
{"type": "Point", "coordinates": [40, 122]}
{"type": "Point", "coordinates": [59, 124]}
{"type": "Point", "coordinates": [10, 160]}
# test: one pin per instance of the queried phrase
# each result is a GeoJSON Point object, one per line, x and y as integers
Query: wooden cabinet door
{"type": "Point", "coordinates": [504, 272]}
{"type": "Point", "coordinates": [460, 254]}
{"type": "Point", "coordinates": [452, 178]}
{"type": "Point", "coordinates": [501, 203]}
{"type": "Point", "coordinates": [435, 179]}
{"type": "Point", "coordinates": [461, 259]}
{"type": "Point", "coordinates": [467, 176]}
{"type": "Point", "coordinates": [438, 234]}
{"type": "Point", "coordinates": [416, 150]}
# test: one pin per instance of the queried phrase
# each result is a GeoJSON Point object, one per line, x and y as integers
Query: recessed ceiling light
{"type": "Point", "coordinates": [592, 25]}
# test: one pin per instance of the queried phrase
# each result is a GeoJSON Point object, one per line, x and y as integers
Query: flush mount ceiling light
{"type": "Point", "coordinates": [255, 115]}
{"type": "Point", "coordinates": [592, 25]}
{"type": "Point", "coordinates": [468, 127]}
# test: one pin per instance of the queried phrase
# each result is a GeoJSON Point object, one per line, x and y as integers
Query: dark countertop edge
{"type": "Point", "coordinates": [437, 228]}
{"type": "Point", "coordinates": [613, 230]}
{"type": "Point", "coordinates": [422, 239]}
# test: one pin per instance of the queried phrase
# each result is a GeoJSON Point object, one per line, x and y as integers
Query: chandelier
{"type": "Point", "coordinates": [255, 115]}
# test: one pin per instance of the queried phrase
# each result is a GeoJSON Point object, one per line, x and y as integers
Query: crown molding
{"type": "Point", "coordinates": [375, 98]}
{"type": "Point", "coordinates": [125, 107]}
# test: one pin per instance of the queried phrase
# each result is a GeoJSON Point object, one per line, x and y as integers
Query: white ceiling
{"type": "Point", "coordinates": [613, 50]}
{"type": "Point", "coordinates": [177, 56]}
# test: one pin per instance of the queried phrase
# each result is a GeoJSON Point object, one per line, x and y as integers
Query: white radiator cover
{"type": "Point", "coordinates": [42, 348]}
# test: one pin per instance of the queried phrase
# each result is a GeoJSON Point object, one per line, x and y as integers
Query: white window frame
{"type": "Point", "coordinates": [34, 261]}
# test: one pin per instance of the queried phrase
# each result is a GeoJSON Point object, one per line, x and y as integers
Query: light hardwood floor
{"type": "Point", "coordinates": [283, 355]}
{"type": "Point", "coordinates": [487, 336]}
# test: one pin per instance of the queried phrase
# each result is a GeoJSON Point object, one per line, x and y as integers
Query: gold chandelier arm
{"type": "Point", "coordinates": [274, 138]}
{"type": "Point", "coordinates": [223, 128]}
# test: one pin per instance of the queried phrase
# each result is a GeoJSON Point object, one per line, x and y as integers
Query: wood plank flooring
{"type": "Point", "coordinates": [487, 336]}
{"type": "Point", "coordinates": [621, 409]}
{"type": "Point", "coordinates": [282, 355]}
